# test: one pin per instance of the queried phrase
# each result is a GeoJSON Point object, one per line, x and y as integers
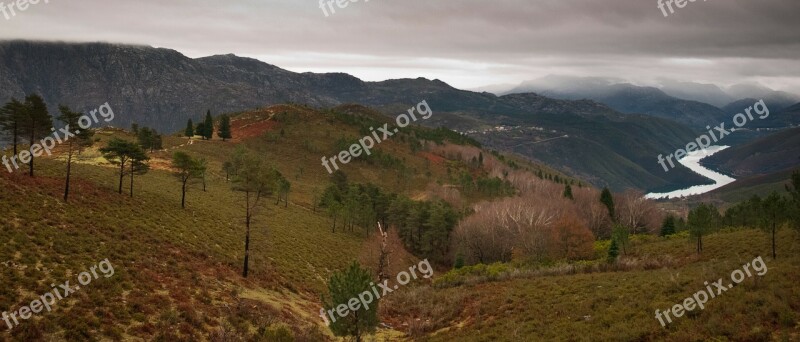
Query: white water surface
{"type": "Point", "coordinates": [692, 161]}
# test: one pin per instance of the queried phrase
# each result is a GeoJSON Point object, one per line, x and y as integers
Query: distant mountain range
{"type": "Point", "coordinates": [694, 104]}
{"type": "Point", "coordinates": [162, 88]}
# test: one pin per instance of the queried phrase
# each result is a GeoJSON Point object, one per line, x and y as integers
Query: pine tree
{"type": "Point", "coordinates": [138, 164]}
{"type": "Point", "coordinates": [620, 234]}
{"type": "Point", "coordinates": [252, 178]}
{"type": "Point", "coordinates": [200, 129]}
{"type": "Point", "coordinates": [608, 200]}
{"type": "Point", "coordinates": [38, 123]}
{"type": "Point", "coordinates": [225, 127]}
{"type": "Point", "coordinates": [668, 227]}
{"type": "Point", "coordinates": [568, 192]}
{"type": "Point", "coordinates": [772, 215]}
{"type": "Point", "coordinates": [613, 251]}
{"type": "Point", "coordinates": [75, 144]}
{"type": "Point", "coordinates": [208, 126]}
{"type": "Point", "coordinates": [188, 168]}
{"type": "Point", "coordinates": [343, 286]}
{"type": "Point", "coordinates": [12, 117]}
{"type": "Point", "coordinates": [189, 132]}
{"type": "Point", "coordinates": [120, 152]}
{"type": "Point", "coordinates": [701, 221]}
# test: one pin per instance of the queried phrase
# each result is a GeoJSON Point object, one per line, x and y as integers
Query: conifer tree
{"type": "Point", "coordinates": [208, 127]}
{"type": "Point", "coordinates": [568, 192]}
{"type": "Point", "coordinates": [189, 132]}
{"type": "Point", "coordinates": [342, 287]}
{"type": "Point", "coordinates": [120, 152]}
{"type": "Point", "coordinates": [12, 117]}
{"type": "Point", "coordinates": [225, 127]}
{"type": "Point", "coordinates": [188, 168]}
{"type": "Point", "coordinates": [38, 123]}
{"type": "Point", "coordinates": [668, 226]}
{"type": "Point", "coordinates": [608, 200]}
{"type": "Point", "coordinates": [75, 145]}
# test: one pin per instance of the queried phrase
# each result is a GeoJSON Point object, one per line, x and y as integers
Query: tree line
{"type": "Point", "coordinates": [424, 226]}
{"type": "Point", "coordinates": [769, 214]}
{"type": "Point", "coordinates": [205, 129]}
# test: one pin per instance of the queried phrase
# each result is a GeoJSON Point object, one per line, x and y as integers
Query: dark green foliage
{"type": "Point", "coordinates": [768, 214]}
{"type": "Point", "coordinates": [339, 179]}
{"type": "Point", "coordinates": [376, 156]}
{"type": "Point", "coordinates": [483, 185]}
{"type": "Point", "coordinates": [225, 127]}
{"type": "Point", "coordinates": [208, 127]}
{"type": "Point", "coordinates": [568, 192]}
{"type": "Point", "coordinates": [149, 139]}
{"type": "Point", "coordinates": [12, 117]}
{"type": "Point", "coordinates": [187, 168]}
{"type": "Point", "coordinates": [613, 251]}
{"type": "Point", "coordinates": [138, 165]}
{"type": "Point", "coordinates": [200, 129]}
{"type": "Point", "coordinates": [75, 144]}
{"type": "Point", "coordinates": [255, 180]}
{"type": "Point", "coordinates": [424, 227]}
{"type": "Point", "coordinates": [494, 187]}
{"type": "Point", "coordinates": [344, 286]}
{"type": "Point", "coordinates": [620, 234]}
{"type": "Point", "coordinates": [189, 132]}
{"type": "Point", "coordinates": [668, 226]}
{"type": "Point", "coordinates": [121, 152]}
{"type": "Point", "coordinates": [459, 262]}
{"type": "Point", "coordinates": [37, 123]}
{"type": "Point", "coordinates": [702, 220]}
{"type": "Point", "coordinates": [608, 200]}
{"type": "Point", "coordinates": [414, 134]}
{"type": "Point", "coordinates": [774, 212]}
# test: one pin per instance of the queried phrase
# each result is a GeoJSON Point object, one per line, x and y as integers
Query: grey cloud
{"type": "Point", "coordinates": [487, 41]}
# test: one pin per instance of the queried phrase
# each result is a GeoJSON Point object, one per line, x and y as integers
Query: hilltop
{"type": "Point", "coordinates": [161, 89]}
{"type": "Point", "coordinates": [177, 271]}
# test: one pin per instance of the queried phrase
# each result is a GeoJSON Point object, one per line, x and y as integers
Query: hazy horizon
{"type": "Point", "coordinates": [459, 43]}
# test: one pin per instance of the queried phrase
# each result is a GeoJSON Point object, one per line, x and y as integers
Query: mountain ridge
{"type": "Point", "coordinates": [162, 88]}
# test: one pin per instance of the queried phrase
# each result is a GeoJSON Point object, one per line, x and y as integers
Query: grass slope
{"type": "Point", "coordinates": [620, 306]}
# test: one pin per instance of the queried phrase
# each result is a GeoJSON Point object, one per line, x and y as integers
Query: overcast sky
{"type": "Point", "coordinates": [466, 43]}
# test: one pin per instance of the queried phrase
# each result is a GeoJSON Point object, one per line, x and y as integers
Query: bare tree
{"type": "Point", "coordinates": [637, 212]}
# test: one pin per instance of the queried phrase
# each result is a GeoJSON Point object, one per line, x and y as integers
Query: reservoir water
{"type": "Point", "coordinates": [692, 161]}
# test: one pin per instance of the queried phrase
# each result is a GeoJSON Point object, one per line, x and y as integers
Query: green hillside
{"type": "Point", "coordinates": [177, 272]}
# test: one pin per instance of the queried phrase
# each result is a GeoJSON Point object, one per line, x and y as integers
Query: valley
{"type": "Point", "coordinates": [400, 171]}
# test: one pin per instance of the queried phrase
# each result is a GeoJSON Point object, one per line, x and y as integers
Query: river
{"type": "Point", "coordinates": [692, 161]}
